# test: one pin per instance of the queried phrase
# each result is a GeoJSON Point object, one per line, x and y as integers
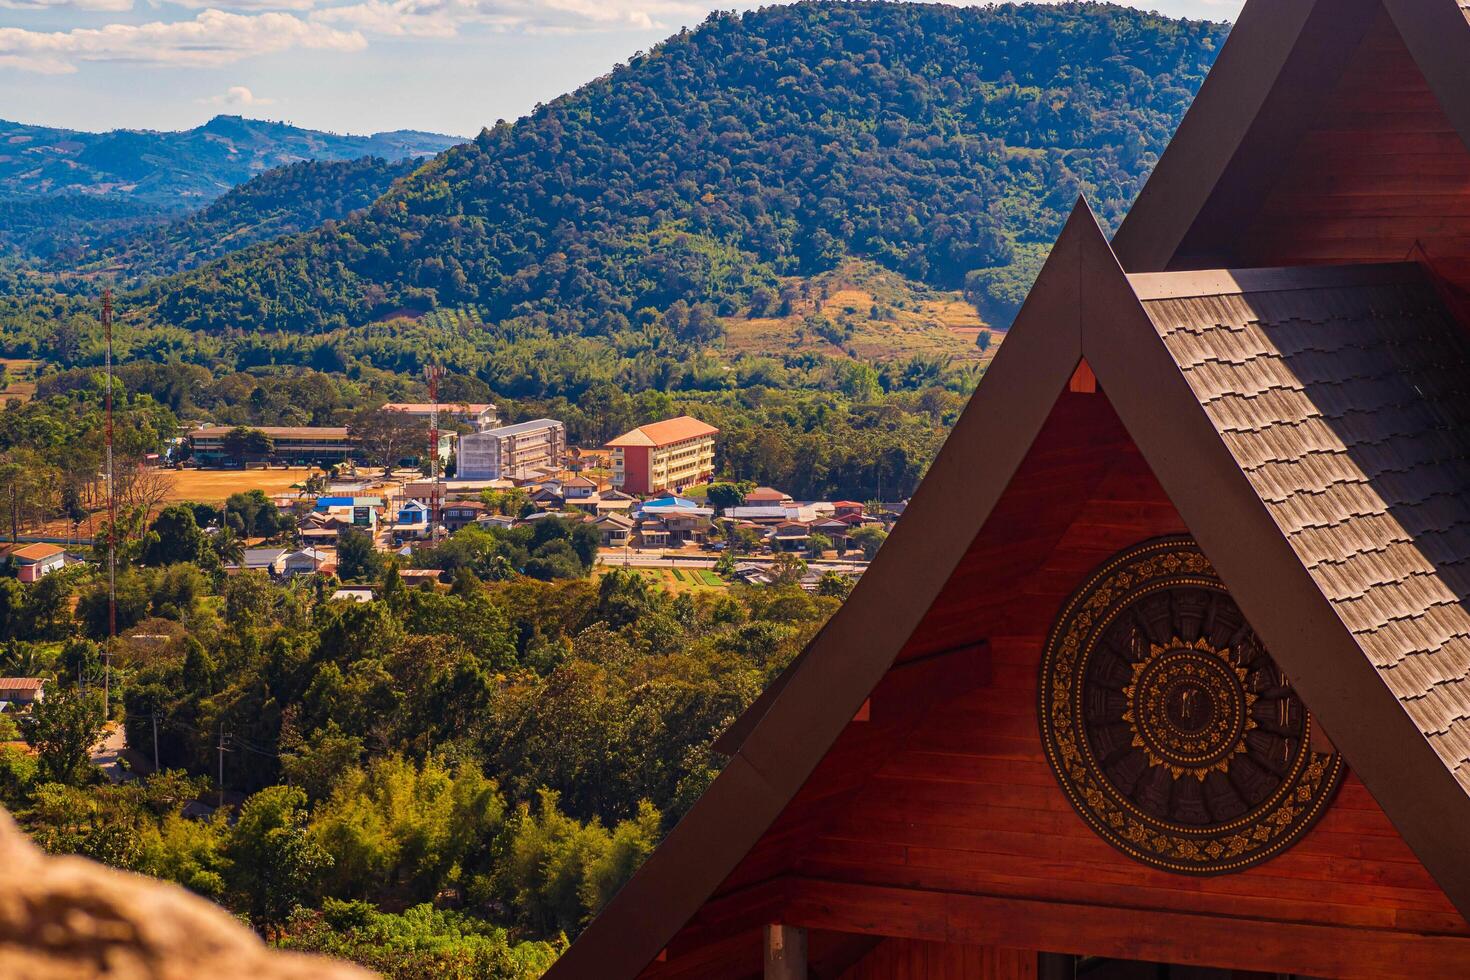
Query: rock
{"type": "Point", "coordinates": [67, 917]}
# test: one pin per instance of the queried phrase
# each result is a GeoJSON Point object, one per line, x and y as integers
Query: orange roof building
{"type": "Point", "coordinates": [34, 561]}
{"type": "Point", "coordinates": [666, 455]}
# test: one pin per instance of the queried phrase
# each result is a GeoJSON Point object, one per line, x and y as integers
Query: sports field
{"type": "Point", "coordinates": [213, 486]}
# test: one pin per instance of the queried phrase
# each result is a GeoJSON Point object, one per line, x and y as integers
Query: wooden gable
{"type": "Point", "coordinates": [891, 831]}
{"type": "Point", "coordinates": [1330, 131]}
{"type": "Point", "coordinates": [891, 785]}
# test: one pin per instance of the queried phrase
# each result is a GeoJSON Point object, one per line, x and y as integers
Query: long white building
{"type": "Point", "coordinates": [509, 452]}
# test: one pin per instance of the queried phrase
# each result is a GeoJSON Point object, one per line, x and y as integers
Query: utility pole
{"type": "Point", "coordinates": [433, 373]}
{"type": "Point", "coordinates": [111, 518]}
{"type": "Point", "coordinates": [155, 741]}
{"type": "Point", "coordinates": [224, 742]}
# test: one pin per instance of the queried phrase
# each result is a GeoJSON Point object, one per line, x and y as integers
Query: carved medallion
{"type": "Point", "coordinates": [1173, 732]}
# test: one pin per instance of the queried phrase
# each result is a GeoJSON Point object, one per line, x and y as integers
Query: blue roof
{"type": "Point", "coordinates": [668, 502]}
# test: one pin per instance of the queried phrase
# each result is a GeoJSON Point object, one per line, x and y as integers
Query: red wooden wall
{"type": "Point", "coordinates": [1381, 169]}
{"type": "Point", "coordinates": [953, 828]}
{"type": "Point", "coordinates": [908, 959]}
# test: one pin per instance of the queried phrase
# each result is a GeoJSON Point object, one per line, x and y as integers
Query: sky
{"type": "Point", "coordinates": [348, 66]}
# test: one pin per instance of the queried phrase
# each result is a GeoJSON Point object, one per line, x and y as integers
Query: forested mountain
{"type": "Point", "coordinates": [283, 201]}
{"type": "Point", "coordinates": [934, 140]}
{"type": "Point", "coordinates": [176, 170]}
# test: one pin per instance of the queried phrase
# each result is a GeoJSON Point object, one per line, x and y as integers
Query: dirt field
{"type": "Point", "coordinates": [20, 374]}
{"type": "Point", "coordinates": [911, 320]}
{"type": "Point", "coordinates": [213, 486]}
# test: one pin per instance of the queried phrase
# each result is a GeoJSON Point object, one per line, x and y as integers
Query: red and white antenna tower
{"type": "Point", "coordinates": [433, 373]}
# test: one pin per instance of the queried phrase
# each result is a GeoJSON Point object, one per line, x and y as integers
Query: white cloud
{"type": "Point", "coordinates": [443, 18]}
{"type": "Point", "coordinates": [212, 38]}
{"type": "Point", "coordinates": [237, 95]}
{"type": "Point", "coordinates": [245, 5]}
{"type": "Point", "coordinates": [108, 5]}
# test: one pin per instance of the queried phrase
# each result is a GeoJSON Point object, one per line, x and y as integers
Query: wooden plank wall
{"type": "Point", "coordinates": [1381, 169]}
{"type": "Point", "coordinates": [909, 959]}
{"type": "Point", "coordinates": [963, 804]}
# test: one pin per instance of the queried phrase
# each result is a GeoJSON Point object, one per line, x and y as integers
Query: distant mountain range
{"type": "Point", "coordinates": [175, 171]}
{"type": "Point", "coordinates": [944, 143]}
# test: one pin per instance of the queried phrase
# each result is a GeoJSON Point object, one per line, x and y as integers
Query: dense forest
{"type": "Point", "coordinates": [935, 140]}
{"type": "Point", "coordinates": [289, 199]}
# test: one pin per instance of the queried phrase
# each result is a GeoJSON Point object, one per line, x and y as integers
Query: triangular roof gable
{"type": "Point", "coordinates": [1281, 60]}
{"type": "Point", "coordinates": [787, 732]}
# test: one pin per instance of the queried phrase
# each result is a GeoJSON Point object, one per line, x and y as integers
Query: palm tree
{"type": "Point", "coordinates": [19, 659]}
{"type": "Point", "coordinates": [229, 546]}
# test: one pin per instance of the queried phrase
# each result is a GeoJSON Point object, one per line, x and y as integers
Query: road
{"type": "Point", "coordinates": [106, 752]}
{"type": "Point", "coordinates": [637, 559]}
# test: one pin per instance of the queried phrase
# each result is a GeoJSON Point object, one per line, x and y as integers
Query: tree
{"type": "Point", "coordinates": [869, 538]}
{"type": "Point", "coordinates": [725, 495]}
{"type": "Point", "coordinates": [256, 513]}
{"type": "Point", "coordinates": [387, 435]}
{"type": "Point", "coordinates": [173, 537]}
{"type": "Point", "coordinates": [358, 558]}
{"type": "Point", "coordinates": [275, 863]}
{"type": "Point", "coordinates": [228, 546]}
{"type": "Point", "coordinates": [817, 545]}
{"type": "Point", "coordinates": [834, 584]}
{"type": "Point", "coordinates": [244, 444]}
{"type": "Point", "coordinates": [62, 728]}
{"type": "Point", "coordinates": [786, 569]}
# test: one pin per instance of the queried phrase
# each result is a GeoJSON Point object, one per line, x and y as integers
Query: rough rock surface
{"type": "Point", "coordinates": [67, 917]}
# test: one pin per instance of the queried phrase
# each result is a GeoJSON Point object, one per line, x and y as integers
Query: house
{"type": "Point", "coordinates": [33, 562]}
{"type": "Point", "coordinates": [790, 536]}
{"type": "Point", "coordinates": [848, 508]}
{"type": "Point", "coordinates": [1162, 671]}
{"type": "Point", "coordinates": [495, 520]}
{"type": "Point", "coordinates": [420, 577]}
{"type": "Point", "coordinates": [412, 520]}
{"type": "Point", "coordinates": [834, 530]}
{"type": "Point", "coordinates": [667, 455]}
{"type": "Point", "coordinates": [548, 497]}
{"type": "Point", "coordinates": [22, 690]}
{"type": "Point", "coordinates": [652, 533]}
{"type": "Point", "coordinates": [578, 488]}
{"type": "Point", "coordinates": [266, 560]}
{"type": "Point", "coordinates": [614, 530]}
{"type": "Point", "coordinates": [768, 497]}
{"type": "Point", "coordinates": [461, 513]}
{"type": "Point", "coordinates": [308, 561]}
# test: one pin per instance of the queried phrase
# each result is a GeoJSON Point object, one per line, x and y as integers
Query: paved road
{"type": "Point", "coordinates": [634, 559]}
{"type": "Point", "coordinates": [105, 754]}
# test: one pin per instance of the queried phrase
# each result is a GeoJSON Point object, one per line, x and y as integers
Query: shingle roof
{"type": "Point", "coordinates": [665, 432]}
{"type": "Point", "coordinates": [1347, 408]}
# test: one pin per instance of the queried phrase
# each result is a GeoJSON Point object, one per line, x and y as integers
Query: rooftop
{"type": "Point", "coordinates": [664, 433]}
{"type": "Point", "coordinates": [476, 408]}
{"type": "Point", "coordinates": [518, 428]}
{"type": "Point", "coordinates": [36, 552]}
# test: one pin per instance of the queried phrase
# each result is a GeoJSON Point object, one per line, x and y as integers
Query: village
{"type": "Point", "coordinates": [650, 494]}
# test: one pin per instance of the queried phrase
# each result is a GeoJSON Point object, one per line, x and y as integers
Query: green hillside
{"type": "Point", "coordinates": [283, 201]}
{"type": "Point", "coordinates": [932, 140]}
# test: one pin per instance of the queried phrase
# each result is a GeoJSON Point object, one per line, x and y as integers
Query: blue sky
{"type": "Point", "coordinates": [345, 65]}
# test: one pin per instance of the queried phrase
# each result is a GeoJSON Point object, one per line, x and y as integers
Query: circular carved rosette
{"type": "Point", "coordinates": [1170, 728]}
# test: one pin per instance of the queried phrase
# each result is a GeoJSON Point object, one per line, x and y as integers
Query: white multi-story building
{"type": "Point", "coordinates": [510, 452]}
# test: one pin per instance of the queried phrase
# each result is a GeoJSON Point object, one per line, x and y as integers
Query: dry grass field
{"type": "Point", "coordinates": [20, 375]}
{"type": "Point", "coordinates": [213, 486]}
{"type": "Point", "coordinates": [882, 315]}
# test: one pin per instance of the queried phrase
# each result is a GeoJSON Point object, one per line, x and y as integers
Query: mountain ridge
{"type": "Point", "coordinates": [937, 141]}
{"type": "Point", "coordinates": [175, 170]}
